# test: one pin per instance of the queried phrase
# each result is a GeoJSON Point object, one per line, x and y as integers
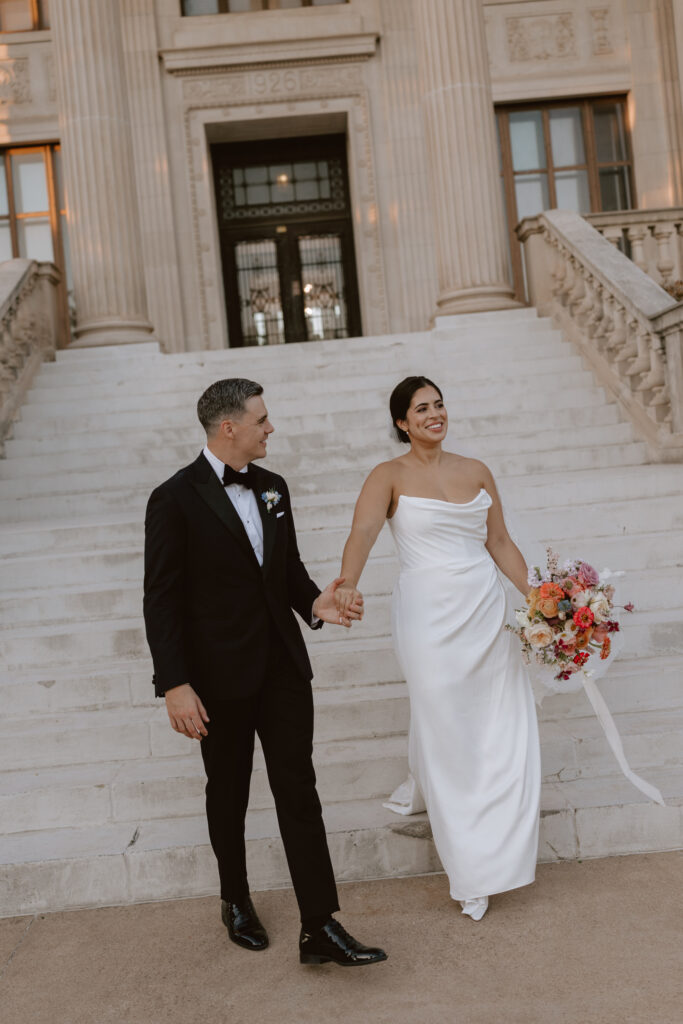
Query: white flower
{"type": "Point", "coordinates": [271, 498]}
{"type": "Point", "coordinates": [522, 617]}
{"type": "Point", "coordinates": [539, 634]}
{"type": "Point", "coordinates": [600, 607]}
{"type": "Point", "coordinates": [582, 598]}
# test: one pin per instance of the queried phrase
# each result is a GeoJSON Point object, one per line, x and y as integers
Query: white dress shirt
{"type": "Point", "coordinates": [245, 503]}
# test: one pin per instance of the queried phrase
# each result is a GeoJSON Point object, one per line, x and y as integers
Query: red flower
{"type": "Point", "coordinates": [583, 617]}
{"type": "Point", "coordinates": [581, 658]}
{"type": "Point", "coordinates": [629, 607]}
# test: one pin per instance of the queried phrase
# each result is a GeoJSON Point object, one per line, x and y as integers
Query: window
{"type": "Point", "coordinates": [33, 210]}
{"type": "Point", "coordinates": [24, 15]}
{"type": "Point", "coordinates": [572, 155]}
{"type": "Point", "coordinates": [194, 7]}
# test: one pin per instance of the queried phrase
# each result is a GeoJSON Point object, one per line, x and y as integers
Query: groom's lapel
{"type": "Point", "coordinates": [209, 488]}
{"type": "Point", "coordinates": [269, 519]}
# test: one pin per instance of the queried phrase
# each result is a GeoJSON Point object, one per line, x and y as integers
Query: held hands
{"type": "Point", "coordinates": [186, 712]}
{"type": "Point", "coordinates": [347, 598]}
{"type": "Point", "coordinates": [327, 605]}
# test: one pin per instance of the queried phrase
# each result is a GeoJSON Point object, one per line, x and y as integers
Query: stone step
{"type": "Point", "coordinates": [646, 684]}
{"type": "Point", "coordinates": [649, 589]}
{"type": "Point", "coordinates": [188, 382]}
{"type": "Point", "coordinates": [577, 386]}
{"type": "Point", "coordinates": [133, 412]}
{"type": "Point", "coordinates": [83, 786]}
{"type": "Point", "coordinates": [646, 633]}
{"type": "Point", "coordinates": [375, 424]}
{"type": "Point", "coordinates": [302, 459]}
{"type": "Point", "coordinates": [153, 860]}
{"type": "Point", "coordinates": [347, 470]}
{"type": "Point", "coordinates": [549, 506]}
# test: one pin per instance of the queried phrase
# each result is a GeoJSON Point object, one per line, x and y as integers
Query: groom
{"type": "Point", "coordinates": [222, 575]}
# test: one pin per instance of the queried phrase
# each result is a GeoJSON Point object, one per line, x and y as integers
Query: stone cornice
{"type": "Point", "coordinates": [199, 60]}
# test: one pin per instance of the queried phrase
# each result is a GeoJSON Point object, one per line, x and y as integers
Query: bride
{"type": "Point", "coordinates": [473, 743]}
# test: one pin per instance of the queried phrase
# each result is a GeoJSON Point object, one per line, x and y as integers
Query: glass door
{"type": "Point", "coordinates": [286, 241]}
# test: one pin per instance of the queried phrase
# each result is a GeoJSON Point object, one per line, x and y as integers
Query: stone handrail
{"type": "Point", "coordinates": [29, 330]}
{"type": "Point", "coordinates": [652, 238]}
{"type": "Point", "coordinates": [628, 328]}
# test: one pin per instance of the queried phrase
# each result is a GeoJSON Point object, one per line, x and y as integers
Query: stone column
{"type": "Point", "coordinates": [469, 223]}
{"type": "Point", "coordinates": [109, 289]}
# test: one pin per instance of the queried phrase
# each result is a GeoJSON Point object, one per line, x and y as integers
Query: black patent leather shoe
{"type": "Point", "coordinates": [243, 924]}
{"type": "Point", "coordinates": [333, 944]}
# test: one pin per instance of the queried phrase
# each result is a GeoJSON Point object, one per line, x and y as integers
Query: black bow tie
{"type": "Point", "coordinates": [231, 476]}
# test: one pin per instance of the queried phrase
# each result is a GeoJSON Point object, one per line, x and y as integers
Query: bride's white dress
{"type": "Point", "coordinates": [473, 744]}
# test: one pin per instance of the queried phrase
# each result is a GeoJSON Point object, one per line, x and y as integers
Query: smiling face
{"type": "Point", "coordinates": [243, 438]}
{"type": "Point", "coordinates": [426, 420]}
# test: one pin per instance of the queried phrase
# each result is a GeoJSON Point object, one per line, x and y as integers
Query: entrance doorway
{"type": "Point", "coordinates": [286, 240]}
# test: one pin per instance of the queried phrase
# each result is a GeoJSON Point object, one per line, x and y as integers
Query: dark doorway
{"type": "Point", "coordinates": [286, 240]}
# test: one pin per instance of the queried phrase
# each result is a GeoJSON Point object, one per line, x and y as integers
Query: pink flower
{"type": "Point", "coordinates": [629, 607]}
{"type": "Point", "coordinates": [589, 576]}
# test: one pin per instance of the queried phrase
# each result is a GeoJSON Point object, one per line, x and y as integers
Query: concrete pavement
{"type": "Point", "coordinates": [593, 942]}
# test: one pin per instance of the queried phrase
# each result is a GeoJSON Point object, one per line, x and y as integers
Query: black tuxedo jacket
{"type": "Point", "coordinates": [209, 606]}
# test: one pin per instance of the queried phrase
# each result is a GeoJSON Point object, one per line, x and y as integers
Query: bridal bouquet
{"type": "Point", "coordinates": [569, 616]}
{"type": "Point", "coordinates": [569, 619]}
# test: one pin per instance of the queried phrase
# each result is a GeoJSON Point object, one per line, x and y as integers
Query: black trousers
{"type": "Point", "coordinates": [281, 713]}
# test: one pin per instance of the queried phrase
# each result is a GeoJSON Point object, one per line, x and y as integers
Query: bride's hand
{"type": "Point", "coordinates": [348, 599]}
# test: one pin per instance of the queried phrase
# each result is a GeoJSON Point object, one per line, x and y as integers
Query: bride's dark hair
{"type": "Point", "coordinates": [402, 396]}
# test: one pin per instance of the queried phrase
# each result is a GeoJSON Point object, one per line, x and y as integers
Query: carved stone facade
{"type": "Point", "coordinates": [351, 68]}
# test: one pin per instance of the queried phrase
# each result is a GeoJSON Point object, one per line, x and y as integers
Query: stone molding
{"type": "Point", "coordinates": [15, 81]}
{"type": "Point", "coordinates": [288, 91]}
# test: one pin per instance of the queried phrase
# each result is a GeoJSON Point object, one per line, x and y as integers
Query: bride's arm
{"type": "Point", "coordinates": [499, 544]}
{"type": "Point", "coordinates": [369, 514]}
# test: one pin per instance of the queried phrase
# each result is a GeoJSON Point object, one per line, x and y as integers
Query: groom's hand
{"type": "Point", "coordinates": [325, 606]}
{"type": "Point", "coordinates": [186, 712]}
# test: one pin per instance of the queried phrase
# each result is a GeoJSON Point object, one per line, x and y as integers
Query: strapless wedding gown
{"type": "Point", "coordinates": [473, 742]}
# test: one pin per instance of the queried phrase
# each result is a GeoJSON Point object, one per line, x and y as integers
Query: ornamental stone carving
{"type": "Point", "coordinates": [538, 38]}
{"type": "Point", "coordinates": [272, 84]}
{"type": "Point", "coordinates": [15, 81]}
{"type": "Point", "coordinates": [602, 43]}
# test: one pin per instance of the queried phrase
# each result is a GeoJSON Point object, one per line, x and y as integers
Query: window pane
{"type": "Point", "coordinates": [236, 6]}
{"type": "Point", "coordinates": [566, 136]}
{"type": "Point", "coordinates": [44, 12]}
{"type": "Point", "coordinates": [67, 253]}
{"type": "Point", "coordinates": [282, 192]}
{"type": "Point", "coordinates": [258, 286]}
{"type": "Point", "coordinates": [5, 242]}
{"type": "Point", "coordinates": [4, 207]}
{"type": "Point", "coordinates": [15, 16]}
{"type": "Point", "coordinates": [610, 132]}
{"type": "Point", "coordinates": [59, 177]}
{"type": "Point", "coordinates": [35, 238]}
{"type": "Point", "coordinates": [256, 175]}
{"type": "Point", "coordinates": [531, 192]}
{"type": "Point", "coordinates": [615, 188]}
{"type": "Point", "coordinates": [572, 191]}
{"type": "Point", "coordinates": [200, 7]}
{"type": "Point", "coordinates": [306, 189]}
{"type": "Point", "coordinates": [258, 194]}
{"type": "Point", "coordinates": [526, 139]}
{"type": "Point", "coordinates": [30, 183]}
{"type": "Point", "coordinates": [304, 172]}
{"type": "Point", "coordinates": [322, 275]}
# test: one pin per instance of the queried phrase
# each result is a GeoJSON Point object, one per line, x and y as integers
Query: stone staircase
{"type": "Point", "coordinates": [101, 803]}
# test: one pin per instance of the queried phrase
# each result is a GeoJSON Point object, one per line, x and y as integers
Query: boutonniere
{"type": "Point", "coordinates": [271, 499]}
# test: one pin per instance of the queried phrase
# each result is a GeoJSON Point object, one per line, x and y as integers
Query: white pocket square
{"type": "Point", "coordinates": [279, 515]}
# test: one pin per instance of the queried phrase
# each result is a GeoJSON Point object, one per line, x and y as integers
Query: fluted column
{"type": "Point", "coordinates": [109, 289]}
{"type": "Point", "coordinates": [470, 232]}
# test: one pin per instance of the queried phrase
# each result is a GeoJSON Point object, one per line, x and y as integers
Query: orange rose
{"type": "Point", "coordinates": [532, 599]}
{"type": "Point", "coordinates": [552, 590]}
{"type": "Point", "coordinates": [547, 606]}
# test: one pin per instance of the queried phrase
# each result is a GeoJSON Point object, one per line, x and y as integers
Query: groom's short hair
{"type": "Point", "coordinates": [225, 399]}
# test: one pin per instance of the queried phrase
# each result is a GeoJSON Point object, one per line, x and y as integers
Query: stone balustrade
{"type": "Point", "coordinates": [29, 330]}
{"type": "Point", "coordinates": [628, 328]}
{"type": "Point", "coordinates": [653, 239]}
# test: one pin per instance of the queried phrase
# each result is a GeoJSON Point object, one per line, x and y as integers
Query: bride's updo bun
{"type": "Point", "coordinates": [400, 400]}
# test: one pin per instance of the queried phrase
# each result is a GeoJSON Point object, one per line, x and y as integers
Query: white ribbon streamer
{"type": "Point", "coordinates": [614, 739]}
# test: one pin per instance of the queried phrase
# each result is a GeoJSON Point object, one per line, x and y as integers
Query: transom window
{"type": "Point", "coordinates": [24, 15]}
{"type": "Point", "coordinates": [194, 7]}
{"type": "Point", "coordinates": [571, 155]}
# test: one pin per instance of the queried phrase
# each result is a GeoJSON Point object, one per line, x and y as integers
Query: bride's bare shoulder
{"type": "Point", "coordinates": [467, 467]}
